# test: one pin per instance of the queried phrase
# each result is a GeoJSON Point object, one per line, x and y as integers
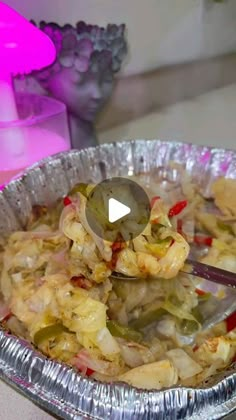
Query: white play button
{"type": "Point", "coordinates": [116, 210]}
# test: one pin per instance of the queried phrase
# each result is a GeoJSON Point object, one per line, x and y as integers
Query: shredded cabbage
{"type": "Point", "coordinates": [57, 292]}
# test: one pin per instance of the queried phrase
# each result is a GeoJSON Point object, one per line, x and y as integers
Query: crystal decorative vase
{"type": "Point", "coordinates": [41, 131]}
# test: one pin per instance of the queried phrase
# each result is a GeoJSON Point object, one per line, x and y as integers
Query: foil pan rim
{"type": "Point", "coordinates": [52, 402]}
{"type": "Point", "coordinates": [58, 388]}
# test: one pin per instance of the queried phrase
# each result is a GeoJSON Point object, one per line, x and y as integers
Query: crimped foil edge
{"type": "Point", "coordinates": [55, 386]}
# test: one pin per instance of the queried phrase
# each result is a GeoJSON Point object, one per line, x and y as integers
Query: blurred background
{"type": "Point", "coordinates": [179, 78]}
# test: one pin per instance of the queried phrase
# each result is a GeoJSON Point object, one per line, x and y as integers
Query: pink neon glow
{"type": "Point", "coordinates": [38, 144]}
{"type": "Point", "coordinates": [23, 47]}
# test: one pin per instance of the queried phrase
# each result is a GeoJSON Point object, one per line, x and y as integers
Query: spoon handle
{"type": "Point", "coordinates": [208, 272]}
{"type": "Point", "coordinates": [195, 268]}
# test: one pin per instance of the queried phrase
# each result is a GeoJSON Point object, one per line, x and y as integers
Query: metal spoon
{"type": "Point", "coordinates": [215, 310]}
{"type": "Point", "coordinates": [195, 268]}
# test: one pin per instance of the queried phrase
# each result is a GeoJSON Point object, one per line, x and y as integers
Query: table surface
{"type": "Point", "coordinates": [209, 119]}
{"type": "Point", "coordinates": [14, 406]}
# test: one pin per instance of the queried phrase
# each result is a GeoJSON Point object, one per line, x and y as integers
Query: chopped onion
{"type": "Point", "coordinates": [166, 327]}
{"type": "Point", "coordinates": [17, 277]}
{"type": "Point", "coordinates": [131, 356]}
{"type": "Point", "coordinates": [152, 375]}
{"type": "Point", "coordinates": [107, 344]}
{"type": "Point", "coordinates": [186, 366]}
{"type": "Point", "coordinates": [84, 360]}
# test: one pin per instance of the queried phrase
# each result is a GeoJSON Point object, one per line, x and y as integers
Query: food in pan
{"type": "Point", "coordinates": [57, 291]}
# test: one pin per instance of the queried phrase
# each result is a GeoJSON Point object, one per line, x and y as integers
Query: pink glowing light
{"type": "Point", "coordinates": [38, 144]}
{"type": "Point", "coordinates": [23, 47]}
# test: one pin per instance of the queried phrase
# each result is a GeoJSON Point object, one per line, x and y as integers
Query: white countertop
{"type": "Point", "coordinates": [209, 119]}
{"type": "Point", "coordinates": [16, 407]}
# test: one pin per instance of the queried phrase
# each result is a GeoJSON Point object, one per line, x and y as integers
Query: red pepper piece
{"type": "Point", "coordinates": [155, 221]}
{"type": "Point", "coordinates": [195, 348]}
{"type": "Point", "coordinates": [203, 240]}
{"type": "Point", "coordinates": [67, 201]}
{"type": "Point", "coordinates": [200, 292]}
{"type": "Point", "coordinates": [81, 281]}
{"type": "Point", "coordinates": [8, 316]}
{"type": "Point", "coordinates": [116, 248]}
{"type": "Point", "coordinates": [153, 200]}
{"type": "Point", "coordinates": [231, 322]}
{"type": "Point", "coordinates": [89, 372]}
{"type": "Point", "coordinates": [83, 369]}
{"type": "Point", "coordinates": [112, 264]}
{"type": "Point", "coordinates": [177, 208]}
{"type": "Point", "coordinates": [81, 361]}
{"type": "Point", "coordinates": [234, 359]}
{"type": "Point", "coordinates": [180, 226]}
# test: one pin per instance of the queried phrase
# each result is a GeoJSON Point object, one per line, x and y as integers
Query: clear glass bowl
{"type": "Point", "coordinates": [41, 131]}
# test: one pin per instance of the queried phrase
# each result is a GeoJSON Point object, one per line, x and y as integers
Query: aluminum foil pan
{"type": "Point", "coordinates": [58, 388]}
